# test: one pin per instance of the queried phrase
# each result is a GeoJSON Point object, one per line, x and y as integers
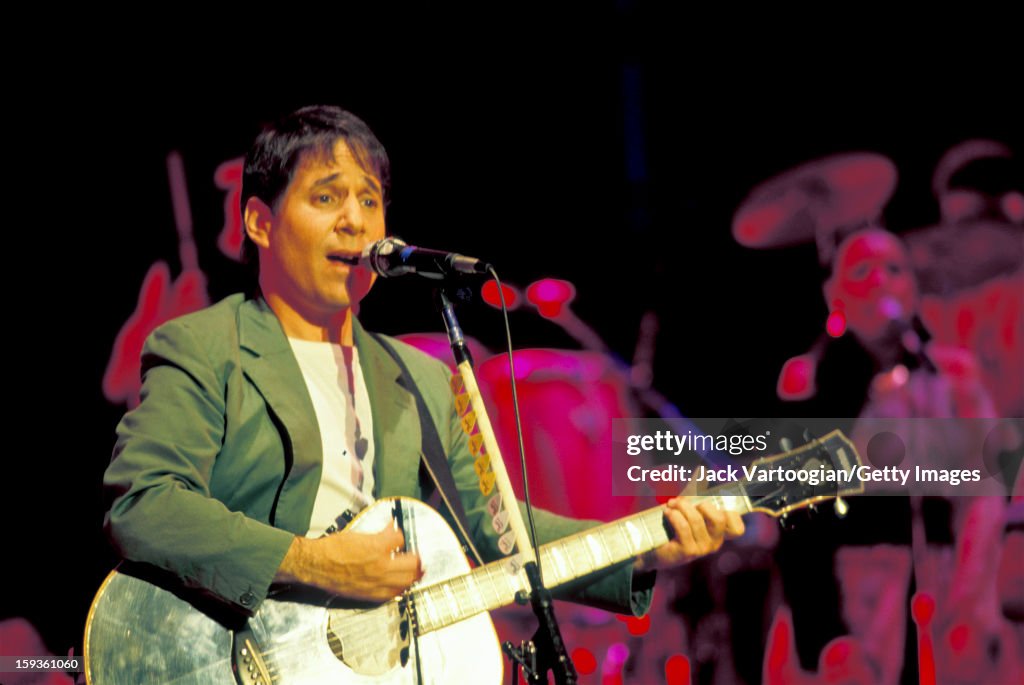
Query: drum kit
{"type": "Point", "coordinates": [568, 397]}
{"type": "Point", "coordinates": [970, 276]}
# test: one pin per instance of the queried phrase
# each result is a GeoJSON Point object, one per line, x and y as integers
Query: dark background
{"type": "Point", "coordinates": [606, 149]}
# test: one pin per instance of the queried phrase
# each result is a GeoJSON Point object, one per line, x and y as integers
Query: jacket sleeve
{"type": "Point", "coordinates": [616, 588]}
{"type": "Point", "coordinates": [162, 512]}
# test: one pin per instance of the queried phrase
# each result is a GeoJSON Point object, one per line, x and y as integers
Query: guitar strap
{"type": "Point", "coordinates": [435, 459]}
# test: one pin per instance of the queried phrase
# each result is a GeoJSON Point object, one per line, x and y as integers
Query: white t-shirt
{"type": "Point", "coordinates": [336, 386]}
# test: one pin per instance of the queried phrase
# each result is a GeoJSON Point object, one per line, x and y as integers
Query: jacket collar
{"type": "Point", "coordinates": [272, 367]}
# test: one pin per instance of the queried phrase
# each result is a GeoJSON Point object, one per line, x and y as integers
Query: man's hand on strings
{"type": "Point", "coordinates": [355, 565]}
{"type": "Point", "coordinates": [696, 532]}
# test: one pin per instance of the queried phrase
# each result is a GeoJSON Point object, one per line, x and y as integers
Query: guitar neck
{"type": "Point", "coordinates": [496, 584]}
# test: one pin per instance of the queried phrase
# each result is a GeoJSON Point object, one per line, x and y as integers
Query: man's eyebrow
{"type": "Point", "coordinates": [372, 182]}
{"type": "Point", "coordinates": [327, 180]}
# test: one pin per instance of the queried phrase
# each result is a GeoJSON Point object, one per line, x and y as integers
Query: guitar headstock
{"type": "Point", "coordinates": [821, 470]}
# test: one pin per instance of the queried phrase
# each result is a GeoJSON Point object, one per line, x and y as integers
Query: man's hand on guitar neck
{"type": "Point", "coordinates": [353, 565]}
{"type": "Point", "coordinates": [697, 531]}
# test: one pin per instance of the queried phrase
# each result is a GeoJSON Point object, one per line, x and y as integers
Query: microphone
{"type": "Point", "coordinates": [890, 309]}
{"type": "Point", "coordinates": [393, 257]}
{"type": "Point", "coordinates": [902, 325]}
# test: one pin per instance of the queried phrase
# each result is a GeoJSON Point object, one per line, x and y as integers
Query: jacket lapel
{"type": "Point", "coordinates": [396, 423]}
{"type": "Point", "coordinates": [268, 361]}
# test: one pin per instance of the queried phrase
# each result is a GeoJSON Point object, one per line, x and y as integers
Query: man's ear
{"type": "Point", "coordinates": [258, 219]}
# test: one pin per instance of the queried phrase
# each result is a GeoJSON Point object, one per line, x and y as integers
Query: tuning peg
{"type": "Point", "coordinates": [785, 523]}
{"type": "Point", "coordinates": [813, 508]}
{"type": "Point", "coordinates": [841, 507]}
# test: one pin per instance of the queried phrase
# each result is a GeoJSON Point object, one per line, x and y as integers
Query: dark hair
{"type": "Point", "coordinates": [277, 151]}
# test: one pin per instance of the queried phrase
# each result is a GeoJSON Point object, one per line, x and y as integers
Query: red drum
{"type": "Point", "coordinates": [568, 400]}
{"type": "Point", "coordinates": [438, 347]}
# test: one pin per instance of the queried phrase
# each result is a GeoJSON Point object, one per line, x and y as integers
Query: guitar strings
{"type": "Point", "coordinates": [430, 596]}
{"type": "Point", "coordinates": [471, 583]}
{"type": "Point", "coordinates": [468, 593]}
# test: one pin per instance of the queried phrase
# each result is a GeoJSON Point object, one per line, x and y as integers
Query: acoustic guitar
{"type": "Point", "coordinates": [145, 631]}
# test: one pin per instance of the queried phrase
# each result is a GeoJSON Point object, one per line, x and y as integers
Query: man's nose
{"type": "Point", "coordinates": [350, 219]}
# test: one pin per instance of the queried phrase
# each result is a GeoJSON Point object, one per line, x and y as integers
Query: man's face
{"type": "Point", "coordinates": [332, 208]}
{"type": "Point", "coordinates": [874, 283]}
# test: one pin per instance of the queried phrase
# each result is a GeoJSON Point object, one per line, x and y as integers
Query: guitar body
{"type": "Point", "coordinates": [139, 632]}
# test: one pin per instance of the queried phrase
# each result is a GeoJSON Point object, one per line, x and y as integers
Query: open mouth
{"type": "Point", "coordinates": [351, 260]}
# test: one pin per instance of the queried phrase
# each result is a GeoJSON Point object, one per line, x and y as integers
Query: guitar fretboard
{"type": "Point", "coordinates": [496, 584]}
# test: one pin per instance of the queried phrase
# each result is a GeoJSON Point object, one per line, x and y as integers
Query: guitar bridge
{"type": "Point", "coordinates": [408, 631]}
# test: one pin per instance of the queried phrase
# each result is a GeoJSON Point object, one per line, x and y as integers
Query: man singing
{"type": "Point", "coordinates": [267, 421]}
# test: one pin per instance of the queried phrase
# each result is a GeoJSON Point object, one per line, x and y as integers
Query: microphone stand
{"type": "Point", "coordinates": [545, 651]}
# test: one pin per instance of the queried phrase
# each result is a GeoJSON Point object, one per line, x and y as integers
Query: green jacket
{"type": "Point", "coordinates": [217, 469]}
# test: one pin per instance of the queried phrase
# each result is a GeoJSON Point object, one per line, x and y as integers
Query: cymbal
{"type": "Point", "coordinates": [821, 195]}
{"type": "Point", "coordinates": [949, 258]}
{"type": "Point", "coordinates": [962, 154]}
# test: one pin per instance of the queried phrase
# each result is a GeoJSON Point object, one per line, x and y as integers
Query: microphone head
{"type": "Point", "coordinates": [394, 257]}
{"type": "Point", "coordinates": [890, 309]}
{"type": "Point", "coordinates": [375, 255]}
{"type": "Point", "coordinates": [900, 323]}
